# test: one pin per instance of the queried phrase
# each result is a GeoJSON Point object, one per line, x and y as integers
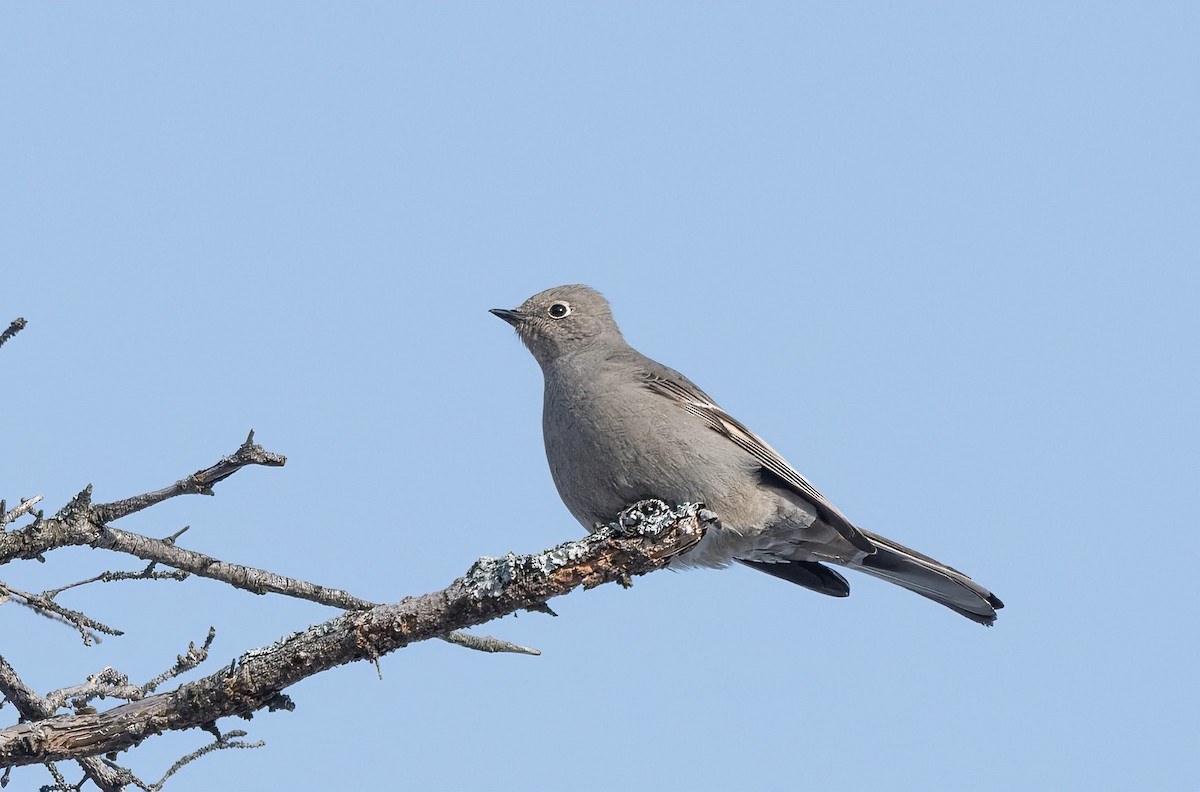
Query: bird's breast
{"type": "Point", "coordinates": [616, 443]}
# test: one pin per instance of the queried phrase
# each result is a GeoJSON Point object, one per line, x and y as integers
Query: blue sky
{"type": "Point", "coordinates": [943, 256]}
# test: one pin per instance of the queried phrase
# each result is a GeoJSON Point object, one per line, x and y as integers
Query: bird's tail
{"type": "Point", "coordinates": [898, 564]}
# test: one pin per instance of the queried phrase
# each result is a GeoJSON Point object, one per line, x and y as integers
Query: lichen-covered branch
{"type": "Point", "coordinates": [646, 538]}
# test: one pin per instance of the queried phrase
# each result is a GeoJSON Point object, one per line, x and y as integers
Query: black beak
{"type": "Point", "coordinates": [513, 316]}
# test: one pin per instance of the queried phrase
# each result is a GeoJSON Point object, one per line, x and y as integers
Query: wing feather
{"type": "Point", "coordinates": [679, 389]}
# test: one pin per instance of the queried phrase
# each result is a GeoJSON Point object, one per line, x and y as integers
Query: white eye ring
{"type": "Point", "coordinates": [558, 309]}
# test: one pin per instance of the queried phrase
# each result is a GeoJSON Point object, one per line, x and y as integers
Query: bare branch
{"type": "Point", "coordinates": [486, 643]}
{"type": "Point", "coordinates": [221, 742]}
{"type": "Point", "coordinates": [107, 683]}
{"type": "Point", "coordinates": [14, 327]}
{"type": "Point", "coordinates": [80, 523]}
{"type": "Point", "coordinates": [45, 606]}
{"type": "Point", "coordinates": [110, 683]}
{"type": "Point", "coordinates": [33, 707]}
{"type": "Point", "coordinates": [199, 483]}
{"type": "Point", "coordinates": [183, 663]}
{"type": "Point", "coordinates": [252, 579]}
{"type": "Point", "coordinates": [493, 587]}
{"type": "Point", "coordinates": [260, 581]}
{"type": "Point", "coordinates": [110, 577]}
{"type": "Point", "coordinates": [23, 507]}
{"type": "Point", "coordinates": [60, 784]}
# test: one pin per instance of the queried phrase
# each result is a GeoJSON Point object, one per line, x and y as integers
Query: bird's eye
{"type": "Point", "coordinates": [558, 310]}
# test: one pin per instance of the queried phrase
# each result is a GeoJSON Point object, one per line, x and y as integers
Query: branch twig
{"type": "Point", "coordinates": [199, 483]}
{"type": "Point", "coordinates": [220, 742]}
{"type": "Point", "coordinates": [24, 507]}
{"type": "Point", "coordinates": [111, 577]}
{"type": "Point", "coordinates": [80, 522]}
{"type": "Point", "coordinates": [46, 606]}
{"type": "Point", "coordinates": [14, 327]}
{"type": "Point", "coordinates": [183, 663]}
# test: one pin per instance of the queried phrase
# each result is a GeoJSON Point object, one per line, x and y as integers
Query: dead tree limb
{"type": "Point", "coordinates": [81, 522]}
{"type": "Point", "coordinates": [199, 483]}
{"type": "Point", "coordinates": [33, 708]}
{"type": "Point", "coordinates": [644, 539]}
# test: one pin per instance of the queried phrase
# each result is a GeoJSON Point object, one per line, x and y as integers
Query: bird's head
{"type": "Point", "coordinates": [562, 321]}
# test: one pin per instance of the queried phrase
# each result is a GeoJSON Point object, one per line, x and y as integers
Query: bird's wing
{"type": "Point", "coordinates": [681, 390]}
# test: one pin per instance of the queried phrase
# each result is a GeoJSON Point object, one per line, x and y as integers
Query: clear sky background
{"type": "Point", "coordinates": [943, 256]}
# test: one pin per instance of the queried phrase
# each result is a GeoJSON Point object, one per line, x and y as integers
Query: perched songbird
{"type": "Point", "coordinates": [620, 428]}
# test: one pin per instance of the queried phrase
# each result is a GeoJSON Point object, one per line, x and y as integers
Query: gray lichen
{"type": "Point", "coordinates": [556, 558]}
{"type": "Point", "coordinates": [653, 518]}
{"type": "Point", "coordinates": [490, 576]}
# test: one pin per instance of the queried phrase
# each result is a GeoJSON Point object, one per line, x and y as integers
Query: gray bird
{"type": "Point", "coordinates": [620, 428]}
